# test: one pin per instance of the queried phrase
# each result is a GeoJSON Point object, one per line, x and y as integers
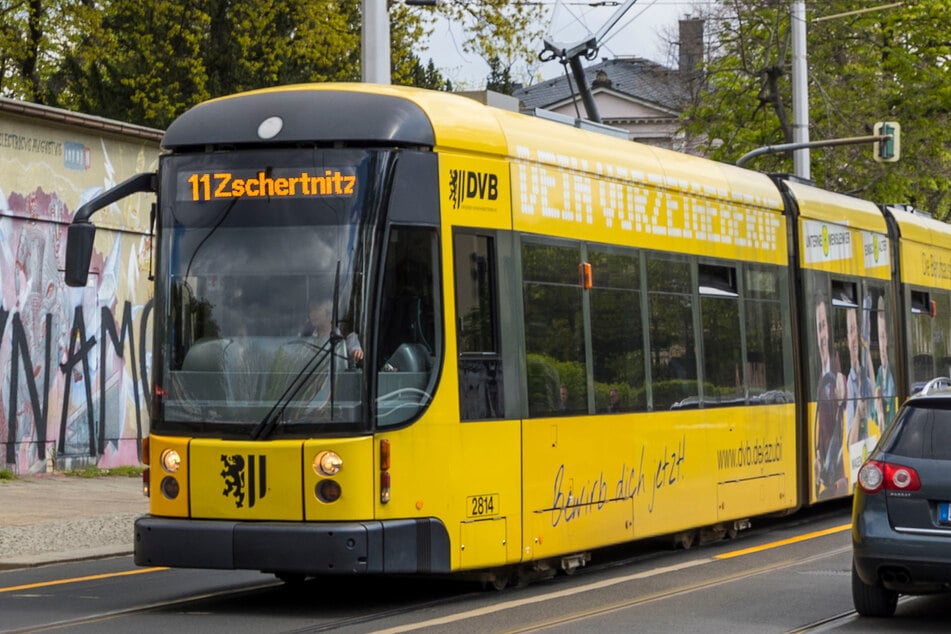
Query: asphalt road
{"type": "Point", "coordinates": [791, 576]}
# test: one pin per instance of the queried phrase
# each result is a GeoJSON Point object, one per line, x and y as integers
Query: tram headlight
{"type": "Point", "coordinates": [327, 491]}
{"type": "Point", "coordinates": [170, 487]}
{"type": "Point", "coordinates": [327, 463]}
{"type": "Point", "coordinates": [171, 460]}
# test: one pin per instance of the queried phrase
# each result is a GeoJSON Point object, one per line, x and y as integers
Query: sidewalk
{"type": "Point", "coordinates": [54, 518]}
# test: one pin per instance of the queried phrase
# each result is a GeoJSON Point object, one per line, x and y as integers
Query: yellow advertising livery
{"type": "Point", "coordinates": [398, 331]}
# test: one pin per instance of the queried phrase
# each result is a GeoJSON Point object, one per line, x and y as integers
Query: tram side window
{"type": "Point", "coordinates": [617, 339]}
{"type": "Point", "coordinates": [940, 333]}
{"type": "Point", "coordinates": [672, 343]}
{"type": "Point", "coordinates": [554, 330]}
{"type": "Point", "coordinates": [922, 338]}
{"type": "Point", "coordinates": [480, 363]}
{"type": "Point", "coordinates": [844, 307]}
{"type": "Point", "coordinates": [406, 332]}
{"type": "Point", "coordinates": [720, 328]}
{"type": "Point", "coordinates": [768, 346]}
{"type": "Point", "coordinates": [880, 326]}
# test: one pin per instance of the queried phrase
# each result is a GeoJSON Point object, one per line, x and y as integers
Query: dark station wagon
{"type": "Point", "coordinates": [901, 511]}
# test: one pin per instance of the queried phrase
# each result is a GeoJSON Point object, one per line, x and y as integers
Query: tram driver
{"type": "Point", "coordinates": [319, 324]}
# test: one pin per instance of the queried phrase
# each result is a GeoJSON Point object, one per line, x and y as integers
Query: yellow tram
{"type": "Point", "coordinates": [397, 331]}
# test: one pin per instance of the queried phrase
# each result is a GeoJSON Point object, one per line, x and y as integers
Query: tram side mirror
{"type": "Point", "coordinates": [81, 232]}
{"type": "Point", "coordinates": [79, 241]}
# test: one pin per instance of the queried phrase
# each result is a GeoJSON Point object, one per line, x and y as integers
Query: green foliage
{"type": "Point", "coordinates": [867, 67]}
{"type": "Point", "coordinates": [500, 78]}
{"type": "Point", "coordinates": [146, 61]}
{"type": "Point", "coordinates": [499, 30]}
{"type": "Point", "coordinates": [92, 471]}
{"type": "Point", "coordinates": [407, 28]}
{"type": "Point", "coordinates": [7, 474]}
{"type": "Point", "coordinates": [35, 36]}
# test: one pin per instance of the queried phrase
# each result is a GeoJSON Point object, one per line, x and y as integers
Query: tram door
{"type": "Point", "coordinates": [490, 531]}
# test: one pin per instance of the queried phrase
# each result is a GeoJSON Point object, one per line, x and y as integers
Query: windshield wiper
{"type": "Point", "coordinates": [267, 425]}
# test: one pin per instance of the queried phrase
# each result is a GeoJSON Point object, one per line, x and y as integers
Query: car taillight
{"type": "Point", "coordinates": [901, 478]}
{"type": "Point", "coordinates": [876, 475]}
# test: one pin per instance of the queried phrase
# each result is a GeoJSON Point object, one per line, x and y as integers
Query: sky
{"type": "Point", "coordinates": [643, 31]}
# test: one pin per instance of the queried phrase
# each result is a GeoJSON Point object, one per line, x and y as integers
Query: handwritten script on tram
{"type": "Point", "coordinates": [208, 186]}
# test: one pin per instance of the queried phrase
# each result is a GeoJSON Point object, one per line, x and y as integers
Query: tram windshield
{"type": "Point", "coordinates": [263, 304]}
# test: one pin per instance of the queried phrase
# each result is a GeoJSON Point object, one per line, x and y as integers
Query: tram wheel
{"type": "Point", "coordinates": [498, 580]}
{"type": "Point", "coordinates": [685, 540]}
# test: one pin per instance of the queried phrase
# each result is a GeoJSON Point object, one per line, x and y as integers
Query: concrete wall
{"type": "Point", "coordinates": [74, 363]}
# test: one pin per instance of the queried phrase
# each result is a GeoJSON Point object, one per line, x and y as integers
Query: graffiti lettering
{"type": "Point", "coordinates": [25, 143]}
{"type": "Point", "coordinates": [632, 481]}
{"type": "Point", "coordinates": [570, 503]}
{"type": "Point", "coordinates": [21, 353]}
{"type": "Point", "coordinates": [98, 423]}
{"type": "Point", "coordinates": [668, 470]}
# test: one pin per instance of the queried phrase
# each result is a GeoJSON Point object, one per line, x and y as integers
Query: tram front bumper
{"type": "Point", "coordinates": [391, 547]}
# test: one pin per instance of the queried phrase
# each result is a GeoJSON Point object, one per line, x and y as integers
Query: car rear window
{"type": "Point", "coordinates": [921, 432]}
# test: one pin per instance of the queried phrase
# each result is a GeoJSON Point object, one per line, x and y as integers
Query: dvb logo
{"type": "Point", "coordinates": [465, 185]}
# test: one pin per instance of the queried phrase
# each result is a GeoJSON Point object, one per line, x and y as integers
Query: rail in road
{"type": "Point", "coordinates": [790, 577]}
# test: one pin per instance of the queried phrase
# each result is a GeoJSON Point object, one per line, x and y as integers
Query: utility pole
{"type": "Point", "coordinates": [375, 42]}
{"type": "Point", "coordinates": [800, 89]}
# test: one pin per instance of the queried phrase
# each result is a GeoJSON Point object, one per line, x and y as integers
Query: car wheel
{"type": "Point", "coordinates": [874, 600]}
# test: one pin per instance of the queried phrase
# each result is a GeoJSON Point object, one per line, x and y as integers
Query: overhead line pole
{"type": "Point", "coordinates": [800, 90]}
{"type": "Point", "coordinates": [800, 83]}
{"type": "Point", "coordinates": [375, 42]}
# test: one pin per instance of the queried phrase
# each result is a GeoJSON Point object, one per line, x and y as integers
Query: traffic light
{"type": "Point", "coordinates": [887, 150]}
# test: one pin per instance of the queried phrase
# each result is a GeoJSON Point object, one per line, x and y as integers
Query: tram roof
{"type": "Point", "coordinates": [826, 206]}
{"type": "Point", "coordinates": [405, 116]}
{"type": "Point", "coordinates": [918, 227]}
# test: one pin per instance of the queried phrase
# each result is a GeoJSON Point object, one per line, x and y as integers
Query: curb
{"type": "Point", "coordinates": [45, 559]}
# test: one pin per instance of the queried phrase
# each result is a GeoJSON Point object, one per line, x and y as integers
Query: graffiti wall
{"type": "Point", "coordinates": [74, 363]}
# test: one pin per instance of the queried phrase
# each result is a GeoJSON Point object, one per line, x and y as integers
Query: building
{"type": "Point", "coordinates": [74, 362]}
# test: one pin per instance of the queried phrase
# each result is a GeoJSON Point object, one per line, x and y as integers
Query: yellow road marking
{"type": "Point", "coordinates": [59, 582]}
{"type": "Point", "coordinates": [784, 542]}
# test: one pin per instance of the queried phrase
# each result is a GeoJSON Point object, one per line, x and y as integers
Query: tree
{"type": "Point", "coordinates": [500, 78]}
{"type": "Point", "coordinates": [34, 37]}
{"type": "Point", "coordinates": [499, 31]}
{"type": "Point", "coordinates": [407, 29]}
{"type": "Point", "coordinates": [863, 68]}
{"type": "Point", "coordinates": [142, 65]}
{"type": "Point", "coordinates": [146, 61]}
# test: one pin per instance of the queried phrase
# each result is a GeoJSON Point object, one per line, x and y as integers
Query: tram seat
{"type": "Point", "coordinates": [206, 355]}
{"type": "Point", "coordinates": [204, 363]}
{"type": "Point", "coordinates": [410, 357]}
{"type": "Point", "coordinates": [403, 387]}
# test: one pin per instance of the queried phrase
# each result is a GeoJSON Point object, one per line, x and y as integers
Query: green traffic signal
{"type": "Point", "coordinates": [887, 150]}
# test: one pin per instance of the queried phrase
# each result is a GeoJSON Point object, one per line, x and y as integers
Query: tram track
{"type": "Point", "coordinates": [579, 616]}
{"type": "Point", "coordinates": [250, 592]}
{"type": "Point", "coordinates": [89, 619]}
{"type": "Point", "coordinates": [647, 565]}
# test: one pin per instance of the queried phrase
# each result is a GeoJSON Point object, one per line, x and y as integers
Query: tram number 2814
{"type": "Point", "coordinates": [482, 505]}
